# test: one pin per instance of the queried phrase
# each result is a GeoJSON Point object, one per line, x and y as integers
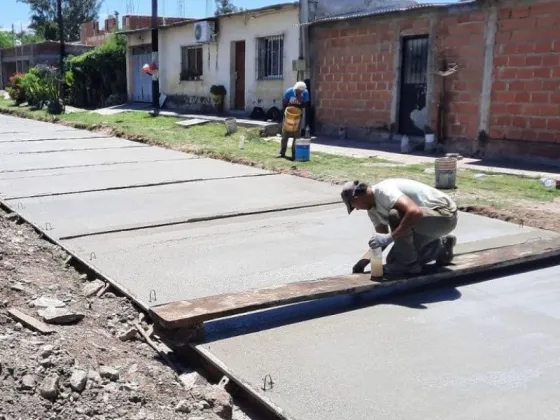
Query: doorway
{"type": "Point", "coordinates": [239, 76]}
{"type": "Point", "coordinates": [141, 83]}
{"type": "Point", "coordinates": [414, 83]}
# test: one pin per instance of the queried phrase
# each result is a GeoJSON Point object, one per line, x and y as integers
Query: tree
{"type": "Point", "coordinates": [223, 7]}
{"type": "Point", "coordinates": [75, 12]}
{"type": "Point", "coordinates": [7, 38]}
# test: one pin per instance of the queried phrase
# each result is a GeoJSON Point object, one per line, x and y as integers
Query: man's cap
{"type": "Point", "coordinates": [348, 192]}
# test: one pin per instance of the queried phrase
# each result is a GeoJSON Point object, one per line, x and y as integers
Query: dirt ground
{"type": "Point", "coordinates": [84, 370]}
{"type": "Point", "coordinates": [538, 215]}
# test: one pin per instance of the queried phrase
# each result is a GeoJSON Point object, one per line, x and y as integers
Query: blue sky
{"type": "Point", "coordinates": [19, 12]}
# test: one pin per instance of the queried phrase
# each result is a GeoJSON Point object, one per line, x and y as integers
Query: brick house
{"type": "Point", "coordinates": [380, 74]}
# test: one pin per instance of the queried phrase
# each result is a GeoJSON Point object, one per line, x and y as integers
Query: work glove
{"type": "Point", "coordinates": [380, 240]}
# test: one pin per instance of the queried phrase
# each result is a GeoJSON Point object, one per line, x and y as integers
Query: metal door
{"type": "Point", "coordinates": [239, 75]}
{"type": "Point", "coordinates": [414, 77]}
{"type": "Point", "coordinates": [141, 83]}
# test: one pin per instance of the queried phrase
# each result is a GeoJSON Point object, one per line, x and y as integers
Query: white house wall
{"type": "Point", "coordinates": [217, 60]}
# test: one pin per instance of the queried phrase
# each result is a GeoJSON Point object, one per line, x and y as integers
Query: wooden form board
{"type": "Point", "coordinates": [190, 312]}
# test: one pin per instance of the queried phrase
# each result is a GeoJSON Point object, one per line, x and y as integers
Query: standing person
{"type": "Point", "coordinates": [420, 219]}
{"type": "Point", "coordinates": [297, 96]}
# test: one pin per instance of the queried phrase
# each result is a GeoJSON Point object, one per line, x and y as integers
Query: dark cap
{"type": "Point", "coordinates": [348, 192]}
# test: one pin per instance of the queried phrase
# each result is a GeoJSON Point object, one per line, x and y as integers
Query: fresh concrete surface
{"type": "Point", "coordinates": [10, 124]}
{"type": "Point", "coordinates": [103, 211]}
{"type": "Point", "coordinates": [484, 351]}
{"type": "Point", "coordinates": [31, 162]}
{"type": "Point", "coordinates": [66, 145]}
{"type": "Point", "coordinates": [233, 255]}
{"type": "Point", "coordinates": [91, 178]}
{"type": "Point", "coordinates": [45, 134]}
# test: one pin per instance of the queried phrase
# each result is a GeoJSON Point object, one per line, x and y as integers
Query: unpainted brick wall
{"type": "Point", "coordinates": [355, 73]}
{"type": "Point", "coordinates": [526, 75]}
{"type": "Point", "coordinates": [459, 40]}
{"type": "Point", "coordinates": [355, 69]}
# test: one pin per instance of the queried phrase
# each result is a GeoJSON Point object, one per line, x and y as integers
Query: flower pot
{"type": "Point", "coordinates": [218, 102]}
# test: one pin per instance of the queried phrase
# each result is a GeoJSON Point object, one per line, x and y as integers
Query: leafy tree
{"type": "Point", "coordinates": [7, 38]}
{"type": "Point", "coordinates": [223, 7]}
{"type": "Point", "coordinates": [75, 12]}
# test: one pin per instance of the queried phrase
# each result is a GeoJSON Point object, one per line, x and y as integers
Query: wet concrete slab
{"type": "Point", "coordinates": [66, 145]}
{"type": "Point", "coordinates": [484, 351]}
{"type": "Point", "coordinates": [105, 211]}
{"type": "Point", "coordinates": [9, 124]}
{"type": "Point", "coordinates": [46, 134]}
{"type": "Point", "coordinates": [224, 256]}
{"type": "Point", "coordinates": [127, 175]}
{"type": "Point", "coordinates": [55, 160]}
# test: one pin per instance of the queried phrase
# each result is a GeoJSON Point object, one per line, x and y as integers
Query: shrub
{"type": "Point", "coordinates": [115, 99]}
{"type": "Point", "coordinates": [16, 89]}
{"type": "Point", "coordinates": [96, 75]}
{"type": "Point", "coordinates": [218, 90]}
{"type": "Point", "coordinates": [41, 85]}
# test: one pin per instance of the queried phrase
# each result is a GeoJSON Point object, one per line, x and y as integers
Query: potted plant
{"type": "Point", "coordinates": [218, 93]}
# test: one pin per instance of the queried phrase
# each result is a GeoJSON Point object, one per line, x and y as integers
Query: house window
{"type": "Point", "coordinates": [191, 63]}
{"type": "Point", "coordinates": [270, 57]}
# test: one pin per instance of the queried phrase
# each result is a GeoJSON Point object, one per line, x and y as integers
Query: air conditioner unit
{"type": "Point", "coordinates": [204, 31]}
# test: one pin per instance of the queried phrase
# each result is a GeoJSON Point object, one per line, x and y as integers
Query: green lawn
{"type": "Point", "coordinates": [502, 191]}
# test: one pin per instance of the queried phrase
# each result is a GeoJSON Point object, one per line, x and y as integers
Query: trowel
{"type": "Point", "coordinates": [361, 265]}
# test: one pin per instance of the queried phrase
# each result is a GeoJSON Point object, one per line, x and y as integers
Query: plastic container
{"type": "Point", "coordinates": [292, 117]}
{"type": "Point", "coordinates": [303, 150]}
{"type": "Point", "coordinates": [446, 173]}
{"type": "Point", "coordinates": [376, 263]}
{"type": "Point", "coordinates": [549, 182]}
{"type": "Point", "coordinates": [405, 144]}
{"type": "Point", "coordinates": [430, 142]}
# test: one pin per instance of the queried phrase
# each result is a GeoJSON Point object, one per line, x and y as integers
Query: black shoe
{"type": "Point", "coordinates": [446, 256]}
{"type": "Point", "coordinates": [281, 156]}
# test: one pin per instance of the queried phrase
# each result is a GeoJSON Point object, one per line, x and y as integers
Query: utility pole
{"type": "Point", "coordinates": [155, 81]}
{"type": "Point", "coordinates": [15, 45]}
{"type": "Point", "coordinates": [62, 49]}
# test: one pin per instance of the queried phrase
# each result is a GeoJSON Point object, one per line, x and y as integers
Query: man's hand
{"type": "Point", "coordinates": [380, 240]}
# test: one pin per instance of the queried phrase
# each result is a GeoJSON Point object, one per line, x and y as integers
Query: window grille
{"type": "Point", "coordinates": [270, 56]}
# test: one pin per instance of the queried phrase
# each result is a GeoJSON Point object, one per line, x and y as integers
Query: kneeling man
{"type": "Point", "coordinates": [415, 216]}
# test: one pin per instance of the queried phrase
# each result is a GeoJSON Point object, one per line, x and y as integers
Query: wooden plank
{"type": "Point", "coordinates": [30, 322]}
{"type": "Point", "coordinates": [189, 312]}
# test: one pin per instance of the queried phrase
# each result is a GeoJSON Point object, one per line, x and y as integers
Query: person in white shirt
{"type": "Point", "coordinates": [415, 216]}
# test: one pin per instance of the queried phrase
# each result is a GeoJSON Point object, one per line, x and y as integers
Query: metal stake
{"type": "Point", "coordinates": [270, 383]}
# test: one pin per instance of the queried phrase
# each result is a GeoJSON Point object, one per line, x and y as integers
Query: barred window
{"type": "Point", "coordinates": [270, 57]}
{"type": "Point", "coordinates": [191, 63]}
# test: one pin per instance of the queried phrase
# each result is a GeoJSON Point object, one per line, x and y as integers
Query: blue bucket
{"type": "Point", "coordinates": [303, 150]}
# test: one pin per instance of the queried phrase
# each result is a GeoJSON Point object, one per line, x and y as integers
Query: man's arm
{"type": "Point", "coordinates": [382, 229]}
{"type": "Point", "coordinates": [412, 213]}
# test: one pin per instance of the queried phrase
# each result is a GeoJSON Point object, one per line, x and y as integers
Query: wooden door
{"type": "Point", "coordinates": [239, 75]}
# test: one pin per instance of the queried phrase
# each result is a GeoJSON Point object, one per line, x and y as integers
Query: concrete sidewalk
{"type": "Point", "coordinates": [390, 152]}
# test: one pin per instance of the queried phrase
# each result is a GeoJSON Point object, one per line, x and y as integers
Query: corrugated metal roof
{"type": "Point", "coordinates": [388, 10]}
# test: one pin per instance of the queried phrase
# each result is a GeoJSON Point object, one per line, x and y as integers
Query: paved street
{"type": "Point", "coordinates": [164, 223]}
